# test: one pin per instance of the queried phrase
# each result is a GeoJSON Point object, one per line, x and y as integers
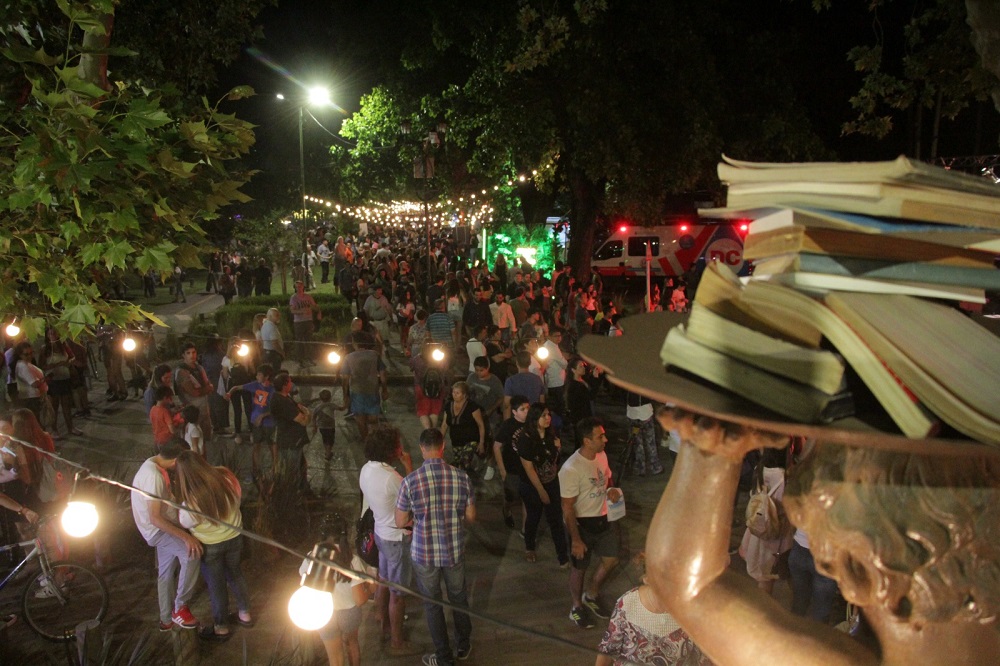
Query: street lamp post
{"type": "Point", "coordinates": [318, 96]}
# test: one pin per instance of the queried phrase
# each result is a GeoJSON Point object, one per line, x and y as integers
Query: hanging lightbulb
{"type": "Point", "coordinates": [128, 344]}
{"type": "Point", "coordinates": [311, 606]}
{"type": "Point", "coordinates": [542, 353]}
{"type": "Point", "coordinates": [243, 349]}
{"type": "Point", "coordinates": [13, 330]}
{"type": "Point", "coordinates": [80, 519]}
{"type": "Point", "coordinates": [437, 355]}
{"type": "Point", "coordinates": [333, 357]}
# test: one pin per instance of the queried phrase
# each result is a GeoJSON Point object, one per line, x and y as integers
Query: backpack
{"type": "Point", "coordinates": [364, 539]}
{"type": "Point", "coordinates": [433, 383]}
{"type": "Point", "coordinates": [764, 518]}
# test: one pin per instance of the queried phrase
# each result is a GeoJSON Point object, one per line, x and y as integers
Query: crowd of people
{"type": "Point", "coordinates": [509, 399]}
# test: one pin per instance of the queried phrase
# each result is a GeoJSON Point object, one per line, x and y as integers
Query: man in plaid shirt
{"type": "Point", "coordinates": [435, 498]}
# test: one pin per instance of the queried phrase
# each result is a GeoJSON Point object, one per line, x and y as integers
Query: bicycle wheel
{"type": "Point", "coordinates": [54, 612]}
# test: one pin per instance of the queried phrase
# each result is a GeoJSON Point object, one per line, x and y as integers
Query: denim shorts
{"type": "Point", "coordinates": [366, 404]}
{"type": "Point", "coordinates": [344, 621]}
{"type": "Point", "coordinates": [394, 560]}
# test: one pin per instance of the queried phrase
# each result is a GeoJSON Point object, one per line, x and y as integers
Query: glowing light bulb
{"type": "Point", "coordinates": [542, 353]}
{"type": "Point", "coordinates": [128, 344]}
{"type": "Point", "coordinates": [243, 349]}
{"type": "Point", "coordinates": [437, 355]}
{"type": "Point", "coordinates": [310, 609]}
{"type": "Point", "coordinates": [79, 519]}
{"type": "Point", "coordinates": [13, 330]}
{"type": "Point", "coordinates": [333, 357]}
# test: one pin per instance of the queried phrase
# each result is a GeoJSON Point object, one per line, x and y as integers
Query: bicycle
{"type": "Point", "coordinates": [59, 598]}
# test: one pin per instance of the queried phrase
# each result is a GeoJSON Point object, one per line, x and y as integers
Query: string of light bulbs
{"type": "Point", "coordinates": [311, 605]}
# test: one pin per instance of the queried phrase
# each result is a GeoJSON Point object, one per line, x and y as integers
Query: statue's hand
{"type": "Point", "coordinates": [728, 440]}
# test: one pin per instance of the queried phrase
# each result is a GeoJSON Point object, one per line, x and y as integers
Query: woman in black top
{"type": "Point", "coordinates": [578, 395]}
{"type": "Point", "coordinates": [468, 429]}
{"type": "Point", "coordinates": [538, 447]}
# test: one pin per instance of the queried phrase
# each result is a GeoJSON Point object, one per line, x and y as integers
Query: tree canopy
{"type": "Point", "coordinates": [615, 107]}
{"type": "Point", "coordinates": [98, 177]}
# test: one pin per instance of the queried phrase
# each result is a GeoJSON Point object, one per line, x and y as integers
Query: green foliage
{"type": "Point", "coordinates": [184, 42]}
{"type": "Point", "coordinates": [93, 183]}
{"type": "Point", "coordinates": [506, 239]}
{"type": "Point", "coordinates": [937, 70]}
{"type": "Point", "coordinates": [238, 315]}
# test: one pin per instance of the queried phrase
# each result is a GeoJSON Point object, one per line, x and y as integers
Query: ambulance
{"type": "Point", "coordinates": [674, 248]}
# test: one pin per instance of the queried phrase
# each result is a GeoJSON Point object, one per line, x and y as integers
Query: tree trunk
{"type": "Point", "coordinates": [937, 125]}
{"type": "Point", "coordinates": [93, 68]}
{"type": "Point", "coordinates": [586, 199]}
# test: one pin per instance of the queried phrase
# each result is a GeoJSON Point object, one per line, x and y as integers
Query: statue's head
{"type": "Point", "coordinates": [916, 535]}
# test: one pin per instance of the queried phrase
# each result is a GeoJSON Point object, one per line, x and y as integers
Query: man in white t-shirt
{"type": "Point", "coordinates": [270, 340]}
{"type": "Point", "coordinates": [555, 370]}
{"type": "Point", "coordinates": [585, 486]}
{"type": "Point", "coordinates": [380, 483]}
{"type": "Point", "coordinates": [175, 547]}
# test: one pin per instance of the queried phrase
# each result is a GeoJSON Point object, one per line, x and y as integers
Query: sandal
{"type": "Point", "coordinates": [530, 556]}
{"type": "Point", "coordinates": [209, 633]}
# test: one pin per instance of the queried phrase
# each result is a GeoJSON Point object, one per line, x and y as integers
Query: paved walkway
{"type": "Point", "coordinates": [528, 601]}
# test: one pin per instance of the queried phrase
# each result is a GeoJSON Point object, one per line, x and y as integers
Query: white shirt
{"type": "Point", "coordinates": [152, 479]}
{"type": "Point", "coordinates": [474, 348]}
{"type": "Point", "coordinates": [555, 371]}
{"type": "Point", "coordinates": [587, 481]}
{"type": "Point", "coordinates": [380, 484]}
{"type": "Point", "coordinates": [270, 336]}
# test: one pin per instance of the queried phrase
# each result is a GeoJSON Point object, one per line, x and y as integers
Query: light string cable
{"type": "Point", "coordinates": [84, 473]}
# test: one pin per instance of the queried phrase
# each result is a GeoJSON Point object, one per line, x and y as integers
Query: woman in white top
{"type": "Point", "coordinates": [31, 385]}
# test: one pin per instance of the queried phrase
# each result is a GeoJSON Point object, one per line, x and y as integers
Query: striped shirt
{"type": "Point", "coordinates": [438, 495]}
{"type": "Point", "coordinates": [440, 326]}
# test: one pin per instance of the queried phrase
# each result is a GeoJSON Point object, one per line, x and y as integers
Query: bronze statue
{"type": "Point", "coordinates": [910, 529]}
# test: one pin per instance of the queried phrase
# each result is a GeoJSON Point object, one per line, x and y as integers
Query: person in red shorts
{"type": "Point", "coordinates": [428, 376]}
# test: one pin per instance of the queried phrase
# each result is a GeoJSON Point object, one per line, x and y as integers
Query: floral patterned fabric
{"type": "Point", "coordinates": [637, 636]}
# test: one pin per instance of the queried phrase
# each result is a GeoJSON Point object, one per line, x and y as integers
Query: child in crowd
{"type": "Point", "coordinates": [324, 420]}
{"type": "Point", "coordinates": [192, 431]}
{"type": "Point", "coordinates": [349, 594]}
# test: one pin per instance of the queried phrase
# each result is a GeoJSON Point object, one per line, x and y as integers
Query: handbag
{"type": "Point", "coordinates": [364, 539]}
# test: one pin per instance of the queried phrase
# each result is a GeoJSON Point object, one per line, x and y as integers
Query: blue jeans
{"type": "Point", "coordinates": [429, 583]}
{"type": "Point", "coordinates": [220, 564]}
{"type": "Point", "coordinates": [811, 590]}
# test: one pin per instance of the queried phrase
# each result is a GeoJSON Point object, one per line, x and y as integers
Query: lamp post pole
{"type": "Point", "coordinates": [302, 180]}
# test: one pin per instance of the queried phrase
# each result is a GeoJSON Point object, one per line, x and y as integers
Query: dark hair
{"type": "Point", "coordinates": [585, 428]}
{"type": "Point", "coordinates": [573, 363]}
{"type": "Point", "coordinates": [325, 395]}
{"type": "Point", "coordinates": [266, 370]}
{"type": "Point", "coordinates": [421, 314]}
{"type": "Point", "coordinates": [523, 359]}
{"type": "Point", "coordinates": [162, 392]}
{"type": "Point", "coordinates": [381, 443]}
{"type": "Point", "coordinates": [188, 345]}
{"type": "Point", "coordinates": [517, 401]}
{"type": "Point", "coordinates": [281, 380]}
{"type": "Point", "coordinates": [162, 369]}
{"type": "Point", "coordinates": [481, 362]}
{"type": "Point", "coordinates": [492, 330]}
{"type": "Point", "coordinates": [172, 448]}
{"type": "Point", "coordinates": [190, 413]}
{"type": "Point", "coordinates": [531, 423]}
{"type": "Point", "coordinates": [431, 438]}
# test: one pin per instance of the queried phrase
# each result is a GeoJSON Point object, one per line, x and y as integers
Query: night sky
{"type": "Point", "coordinates": [336, 43]}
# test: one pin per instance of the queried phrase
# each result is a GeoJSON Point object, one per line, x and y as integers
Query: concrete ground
{"type": "Point", "coordinates": [525, 605]}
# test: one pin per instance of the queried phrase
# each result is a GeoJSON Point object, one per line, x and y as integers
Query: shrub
{"type": "Point", "coordinates": [238, 315]}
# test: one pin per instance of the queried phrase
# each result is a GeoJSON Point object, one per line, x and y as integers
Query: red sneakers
{"type": "Point", "coordinates": [183, 618]}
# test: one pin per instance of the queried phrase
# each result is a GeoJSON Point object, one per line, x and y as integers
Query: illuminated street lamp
{"type": "Point", "coordinates": [317, 96]}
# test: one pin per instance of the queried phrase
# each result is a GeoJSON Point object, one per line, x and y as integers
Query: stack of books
{"type": "Point", "coordinates": [852, 306]}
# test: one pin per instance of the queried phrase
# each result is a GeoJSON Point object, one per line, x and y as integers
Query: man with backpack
{"type": "Point", "coordinates": [430, 385]}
